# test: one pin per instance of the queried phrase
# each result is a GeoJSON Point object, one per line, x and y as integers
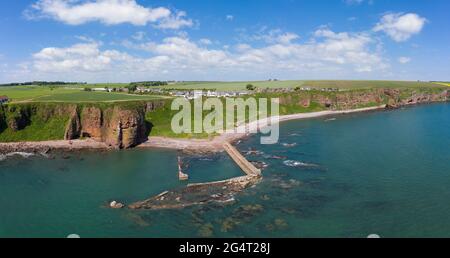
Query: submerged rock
{"type": "Point", "coordinates": [206, 230]}
{"type": "Point", "coordinates": [277, 224]}
{"type": "Point", "coordinates": [241, 215]}
{"type": "Point", "coordinates": [116, 205]}
{"type": "Point", "coordinates": [196, 194]}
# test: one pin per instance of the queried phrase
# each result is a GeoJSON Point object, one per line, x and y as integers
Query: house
{"type": "Point", "coordinates": [99, 89]}
{"type": "Point", "coordinates": [211, 94]}
{"type": "Point", "coordinates": [3, 99]}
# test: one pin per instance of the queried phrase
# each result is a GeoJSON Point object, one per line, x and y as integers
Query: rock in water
{"type": "Point", "coordinates": [116, 205]}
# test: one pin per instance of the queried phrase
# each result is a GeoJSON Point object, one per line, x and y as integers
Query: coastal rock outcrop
{"type": "Point", "coordinates": [339, 100]}
{"type": "Point", "coordinates": [91, 122]}
{"type": "Point", "coordinates": [118, 125]}
{"type": "Point", "coordinates": [124, 128]}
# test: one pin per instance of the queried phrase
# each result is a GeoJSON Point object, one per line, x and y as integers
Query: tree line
{"type": "Point", "coordinates": [41, 83]}
{"type": "Point", "coordinates": [149, 83]}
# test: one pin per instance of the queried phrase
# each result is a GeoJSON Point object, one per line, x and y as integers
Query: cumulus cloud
{"type": "Point", "coordinates": [176, 21]}
{"type": "Point", "coordinates": [327, 52]}
{"type": "Point", "coordinates": [400, 27]}
{"type": "Point", "coordinates": [404, 60]}
{"type": "Point", "coordinates": [109, 12]}
{"type": "Point", "coordinates": [83, 56]}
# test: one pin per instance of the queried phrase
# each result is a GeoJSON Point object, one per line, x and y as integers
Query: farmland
{"type": "Point", "coordinates": [307, 83]}
{"type": "Point", "coordinates": [75, 92]}
{"type": "Point", "coordinates": [62, 94]}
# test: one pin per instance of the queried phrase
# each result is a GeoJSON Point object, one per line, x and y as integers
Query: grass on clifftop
{"type": "Point", "coordinates": [68, 95]}
{"type": "Point", "coordinates": [161, 119]}
{"type": "Point", "coordinates": [38, 130]}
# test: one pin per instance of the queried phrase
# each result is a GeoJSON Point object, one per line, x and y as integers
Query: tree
{"type": "Point", "coordinates": [250, 87]}
{"type": "Point", "coordinates": [132, 87]}
{"type": "Point", "coordinates": [87, 89]}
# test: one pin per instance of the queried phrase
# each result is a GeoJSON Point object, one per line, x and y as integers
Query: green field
{"type": "Point", "coordinates": [293, 84]}
{"type": "Point", "coordinates": [58, 94]}
{"type": "Point", "coordinates": [75, 93]}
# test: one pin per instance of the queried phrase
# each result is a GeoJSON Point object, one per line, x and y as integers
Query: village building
{"type": "Point", "coordinates": [99, 89]}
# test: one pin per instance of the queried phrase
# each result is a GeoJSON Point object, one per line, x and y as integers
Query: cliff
{"type": "Point", "coordinates": [393, 98]}
{"type": "Point", "coordinates": [118, 125]}
{"type": "Point", "coordinates": [127, 124]}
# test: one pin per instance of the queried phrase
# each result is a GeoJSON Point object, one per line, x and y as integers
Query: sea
{"type": "Point", "coordinates": [384, 172]}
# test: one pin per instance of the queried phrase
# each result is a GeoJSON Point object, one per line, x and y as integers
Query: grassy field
{"type": "Point", "coordinates": [293, 84]}
{"type": "Point", "coordinates": [84, 96]}
{"type": "Point", "coordinates": [58, 94]}
{"type": "Point", "coordinates": [76, 94]}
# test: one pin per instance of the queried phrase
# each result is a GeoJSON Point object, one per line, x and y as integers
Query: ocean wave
{"type": "Point", "coordinates": [295, 163]}
{"type": "Point", "coordinates": [12, 154]}
{"type": "Point", "coordinates": [288, 145]}
{"type": "Point", "coordinates": [253, 152]}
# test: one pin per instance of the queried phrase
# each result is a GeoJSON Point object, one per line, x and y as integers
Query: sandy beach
{"type": "Point", "coordinates": [202, 145]}
{"type": "Point", "coordinates": [217, 142]}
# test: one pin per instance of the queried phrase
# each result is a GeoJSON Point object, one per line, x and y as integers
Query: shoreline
{"type": "Point", "coordinates": [190, 145]}
{"type": "Point", "coordinates": [216, 144]}
{"type": "Point", "coordinates": [44, 147]}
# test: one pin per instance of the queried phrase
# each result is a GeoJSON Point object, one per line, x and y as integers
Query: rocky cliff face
{"type": "Point", "coordinates": [395, 98]}
{"type": "Point", "coordinates": [359, 98]}
{"type": "Point", "coordinates": [119, 126]}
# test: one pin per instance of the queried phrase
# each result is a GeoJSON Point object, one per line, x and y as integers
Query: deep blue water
{"type": "Point", "coordinates": [385, 173]}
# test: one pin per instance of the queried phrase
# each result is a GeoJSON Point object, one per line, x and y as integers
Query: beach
{"type": "Point", "coordinates": [230, 136]}
{"type": "Point", "coordinates": [197, 145]}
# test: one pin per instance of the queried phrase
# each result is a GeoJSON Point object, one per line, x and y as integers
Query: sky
{"type": "Point", "coordinates": [223, 40]}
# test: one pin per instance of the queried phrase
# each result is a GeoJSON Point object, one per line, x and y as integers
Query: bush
{"type": "Point", "coordinates": [250, 87]}
{"type": "Point", "coordinates": [132, 87]}
{"type": "Point", "coordinates": [87, 89]}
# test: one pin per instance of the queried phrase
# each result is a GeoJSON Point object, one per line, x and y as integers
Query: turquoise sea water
{"type": "Point", "coordinates": [385, 173]}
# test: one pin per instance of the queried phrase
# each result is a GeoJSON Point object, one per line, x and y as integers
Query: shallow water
{"type": "Point", "coordinates": [385, 173]}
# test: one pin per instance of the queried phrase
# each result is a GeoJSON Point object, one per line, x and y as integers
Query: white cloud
{"type": "Point", "coordinates": [286, 38]}
{"type": "Point", "coordinates": [404, 60]}
{"type": "Point", "coordinates": [110, 12]}
{"type": "Point", "coordinates": [229, 17]}
{"type": "Point", "coordinates": [327, 53]}
{"type": "Point", "coordinates": [400, 27]}
{"type": "Point", "coordinates": [83, 56]}
{"type": "Point", "coordinates": [175, 21]}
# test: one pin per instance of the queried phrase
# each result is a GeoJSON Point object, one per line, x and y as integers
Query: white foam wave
{"type": "Point", "coordinates": [295, 163]}
{"type": "Point", "coordinates": [12, 154]}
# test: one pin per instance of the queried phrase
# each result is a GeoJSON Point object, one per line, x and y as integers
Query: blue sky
{"type": "Point", "coordinates": [133, 40]}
